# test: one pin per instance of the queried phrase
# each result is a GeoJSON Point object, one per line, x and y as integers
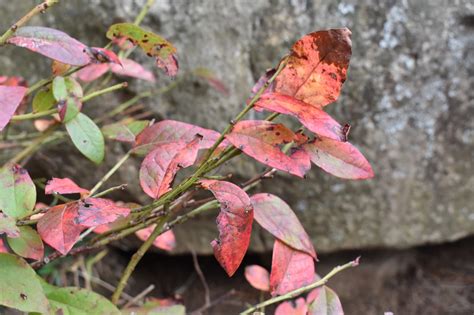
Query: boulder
{"type": "Point", "coordinates": [409, 97]}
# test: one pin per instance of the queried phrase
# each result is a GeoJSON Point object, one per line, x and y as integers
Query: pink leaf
{"type": "Point", "coordinates": [313, 118]}
{"type": "Point", "coordinates": [275, 216]}
{"type": "Point", "coordinates": [317, 67]}
{"type": "Point", "coordinates": [324, 301]}
{"type": "Point", "coordinates": [340, 159]}
{"type": "Point", "coordinates": [165, 241]}
{"type": "Point", "coordinates": [160, 166]}
{"type": "Point", "coordinates": [58, 229]}
{"type": "Point", "coordinates": [261, 139]}
{"type": "Point", "coordinates": [51, 43]}
{"type": "Point", "coordinates": [97, 211]}
{"type": "Point", "coordinates": [10, 99]}
{"type": "Point", "coordinates": [291, 269]}
{"type": "Point", "coordinates": [287, 308]}
{"type": "Point", "coordinates": [63, 186]}
{"type": "Point", "coordinates": [3, 246]}
{"type": "Point", "coordinates": [168, 131]}
{"type": "Point", "coordinates": [169, 64]}
{"type": "Point", "coordinates": [234, 223]}
{"type": "Point", "coordinates": [211, 79]}
{"type": "Point", "coordinates": [133, 69]}
{"type": "Point", "coordinates": [92, 72]}
{"type": "Point", "coordinates": [258, 277]}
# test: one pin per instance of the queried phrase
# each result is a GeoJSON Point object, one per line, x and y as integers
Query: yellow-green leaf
{"type": "Point", "coordinates": [153, 45]}
{"type": "Point", "coordinates": [43, 100]}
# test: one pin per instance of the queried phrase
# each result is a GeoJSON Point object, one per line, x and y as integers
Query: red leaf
{"type": "Point", "coordinates": [58, 229]}
{"type": "Point", "coordinates": [317, 67]}
{"type": "Point", "coordinates": [10, 99]}
{"type": "Point", "coordinates": [340, 159]}
{"type": "Point", "coordinates": [261, 139]}
{"type": "Point", "coordinates": [51, 43]}
{"type": "Point", "coordinates": [324, 301]}
{"type": "Point", "coordinates": [169, 64]}
{"type": "Point", "coordinates": [63, 186]}
{"type": "Point", "coordinates": [313, 118]}
{"type": "Point", "coordinates": [97, 211]}
{"type": "Point", "coordinates": [13, 81]}
{"type": "Point", "coordinates": [234, 223]}
{"type": "Point", "coordinates": [102, 55]}
{"type": "Point", "coordinates": [168, 131]}
{"type": "Point", "coordinates": [258, 277]}
{"type": "Point", "coordinates": [275, 216]}
{"type": "Point", "coordinates": [287, 308]}
{"type": "Point", "coordinates": [133, 69]}
{"type": "Point", "coordinates": [291, 269]}
{"type": "Point", "coordinates": [160, 166]}
{"type": "Point", "coordinates": [92, 72]}
{"type": "Point", "coordinates": [165, 241]}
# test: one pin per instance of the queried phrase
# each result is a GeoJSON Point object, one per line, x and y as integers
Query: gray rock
{"type": "Point", "coordinates": [409, 97]}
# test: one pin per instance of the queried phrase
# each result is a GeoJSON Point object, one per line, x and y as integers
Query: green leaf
{"type": "Point", "coordinates": [137, 126]}
{"type": "Point", "coordinates": [155, 309]}
{"type": "Point", "coordinates": [8, 226]}
{"type": "Point", "coordinates": [17, 191]}
{"type": "Point", "coordinates": [87, 137]}
{"type": "Point", "coordinates": [19, 286]}
{"type": "Point", "coordinates": [76, 301]}
{"type": "Point", "coordinates": [69, 109]}
{"type": "Point", "coordinates": [118, 131]}
{"type": "Point", "coordinates": [59, 89]}
{"type": "Point", "coordinates": [67, 92]}
{"type": "Point", "coordinates": [43, 100]}
{"type": "Point", "coordinates": [324, 300]}
{"type": "Point", "coordinates": [28, 245]}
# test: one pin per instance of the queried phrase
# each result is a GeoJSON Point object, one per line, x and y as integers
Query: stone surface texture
{"type": "Point", "coordinates": [409, 98]}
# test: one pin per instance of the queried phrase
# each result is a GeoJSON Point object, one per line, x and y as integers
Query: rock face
{"type": "Point", "coordinates": [409, 97]}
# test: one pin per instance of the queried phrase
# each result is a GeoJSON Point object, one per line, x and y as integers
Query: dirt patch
{"type": "Point", "coordinates": [426, 280]}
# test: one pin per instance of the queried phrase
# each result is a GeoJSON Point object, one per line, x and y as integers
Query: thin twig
{"type": "Point", "coordinates": [40, 8]}
{"type": "Point", "coordinates": [207, 295]}
{"type": "Point", "coordinates": [215, 302]}
{"type": "Point", "coordinates": [84, 99]}
{"type": "Point", "coordinates": [140, 296]}
{"type": "Point", "coordinates": [106, 285]}
{"type": "Point", "coordinates": [304, 289]}
{"type": "Point", "coordinates": [135, 260]}
{"type": "Point", "coordinates": [111, 189]}
{"type": "Point", "coordinates": [110, 173]}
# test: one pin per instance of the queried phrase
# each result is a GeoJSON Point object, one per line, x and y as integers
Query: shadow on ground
{"type": "Point", "coordinates": [426, 280]}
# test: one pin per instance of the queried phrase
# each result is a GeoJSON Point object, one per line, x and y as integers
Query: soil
{"type": "Point", "coordinates": [432, 280]}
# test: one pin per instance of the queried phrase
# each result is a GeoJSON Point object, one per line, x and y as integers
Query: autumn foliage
{"type": "Point", "coordinates": [304, 82]}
